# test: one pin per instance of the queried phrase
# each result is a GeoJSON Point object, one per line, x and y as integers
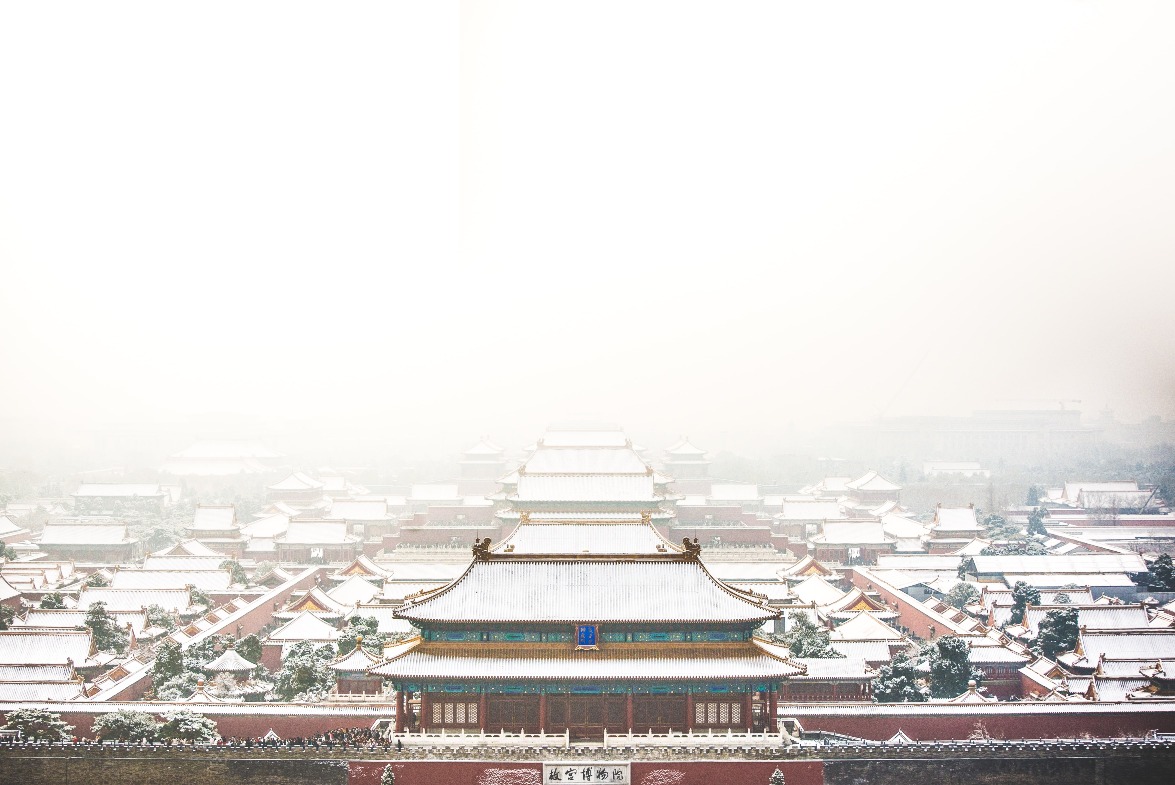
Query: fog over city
{"type": "Point", "coordinates": [414, 224]}
{"type": "Point", "coordinates": [636, 392]}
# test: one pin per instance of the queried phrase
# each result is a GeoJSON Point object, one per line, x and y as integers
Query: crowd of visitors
{"type": "Point", "coordinates": [342, 737]}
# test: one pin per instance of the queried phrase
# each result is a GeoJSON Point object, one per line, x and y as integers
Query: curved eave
{"type": "Point", "coordinates": [418, 612]}
{"type": "Point", "coordinates": [486, 664]}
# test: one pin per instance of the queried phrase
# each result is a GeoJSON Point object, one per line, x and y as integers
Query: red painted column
{"type": "Point", "coordinates": [748, 712]}
{"type": "Point", "coordinates": [400, 709]}
{"type": "Point", "coordinates": [424, 718]}
{"type": "Point", "coordinates": [771, 721]}
{"type": "Point", "coordinates": [689, 711]}
{"type": "Point", "coordinates": [628, 709]}
{"type": "Point", "coordinates": [481, 711]}
{"type": "Point", "coordinates": [542, 710]}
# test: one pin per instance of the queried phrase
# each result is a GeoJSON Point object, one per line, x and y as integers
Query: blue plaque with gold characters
{"type": "Point", "coordinates": [586, 636]}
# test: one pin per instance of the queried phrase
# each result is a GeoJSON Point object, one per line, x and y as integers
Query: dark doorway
{"type": "Point", "coordinates": [512, 713]}
{"type": "Point", "coordinates": [586, 716]}
{"type": "Point", "coordinates": [658, 713]}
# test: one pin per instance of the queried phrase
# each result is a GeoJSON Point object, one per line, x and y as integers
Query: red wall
{"type": "Point", "coordinates": [1006, 725]}
{"type": "Point", "coordinates": [643, 772]}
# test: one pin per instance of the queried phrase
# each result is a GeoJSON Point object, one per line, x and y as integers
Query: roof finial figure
{"type": "Point", "coordinates": [691, 549]}
{"type": "Point", "coordinates": [481, 549]}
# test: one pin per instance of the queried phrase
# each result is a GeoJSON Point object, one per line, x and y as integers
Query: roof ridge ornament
{"type": "Point", "coordinates": [481, 549]}
{"type": "Point", "coordinates": [690, 549]}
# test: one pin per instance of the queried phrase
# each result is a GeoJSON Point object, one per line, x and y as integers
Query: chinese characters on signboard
{"type": "Point", "coordinates": [617, 773]}
{"type": "Point", "coordinates": [585, 636]}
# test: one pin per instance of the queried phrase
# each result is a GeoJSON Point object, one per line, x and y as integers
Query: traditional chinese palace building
{"type": "Point", "coordinates": [585, 618]}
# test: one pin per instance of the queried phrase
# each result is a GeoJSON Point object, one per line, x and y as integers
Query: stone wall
{"type": "Point", "coordinates": [964, 764]}
{"type": "Point", "coordinates": [123, 769]}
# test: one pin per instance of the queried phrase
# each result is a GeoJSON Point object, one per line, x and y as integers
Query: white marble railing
{"type": "Point", "coordinates": [699, 738]}
{"type": "Point", "coordinates": [388, 699]}
{"type": "Point", "coordinates": [457, 738]}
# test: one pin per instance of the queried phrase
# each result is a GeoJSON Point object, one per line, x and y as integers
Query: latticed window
{"type": "Point", "coordinates": [460, 712]}
{"type": "Point", "coordinates": [718, 714]}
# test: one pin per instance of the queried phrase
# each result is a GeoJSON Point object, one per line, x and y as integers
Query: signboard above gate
{"type": "Point", "coordinates": [586, 636]}
{"type": "Point", "coordinates": [578, 771]}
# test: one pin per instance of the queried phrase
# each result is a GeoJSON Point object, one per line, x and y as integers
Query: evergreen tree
{"type": "Point", "coordinates": [898, 682]}
{"type": "Point", "coordinates": [305, 674]}
{"type": "Point", "coordinates": [366, 627]}
{"type": "Point", "coordinates": [807, 639]}
{"type": "Point", "coordinates": [1162, 574]}
{"type": "Point", "coordinates": [200, 654]}
{"type": "Point", "coordinates": [97, 581]}
{"type": "Point", "coordinates": [235, 570]}
{"type": "Point", "coordinates": [1033, 497]}
{"type": "Point", "coordinates": [1016, 548]}
{"type": "Point", "coordinates": [126, 725]}
{"type": "Point", "coordinates": [388, 777]}
{"type": "Point", "coordinates": [53, 601]}
{"type": "Point", "coordinates": [962, 595]}
{"type": "Point", "coordinates": [249, 647]}
{"type": "Point", "coordinates": [200, 600]}
{"type": "Point", "coordinates": [188, 726]}
{"type": "Point", "coordinates": [966, 566]}
{"type": "Point", "coordinates": [1023, 595]}
{"type": "Point", "coordinates": [178, 687]}
{"type": "Point", "coordinates": [950, 667]}
{"type": "Point", "coordinates": [38, 725]}
{"type": "Point", "coordinates": [1058, 632]}
{"type": "Point", "coordinates": [157, 616]}
{"type": "Point", "coordinates": [169, 662]}
{"type": "Point", "coordinates": [108, 636]}
{"type": "Point", "coordinates": [7, 614]}
{"type": "Point", "coordinates": [1036, 523]}
{"type": "Point", "coordinates": [776, 778]}
{"type": "Point", "coordinates": [996, 527]}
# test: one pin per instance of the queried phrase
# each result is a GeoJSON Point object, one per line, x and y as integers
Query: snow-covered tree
{"type": "Point", "coordinates": [38, 725]}
{"type": "Point", "coordinates": [188, 726]}
{"type": "Point", "coordinates": [898, 682]}
{"type": "Point", "coordinates": [126, 725]}
{"type": "Point", "coordinates": [950, 667]}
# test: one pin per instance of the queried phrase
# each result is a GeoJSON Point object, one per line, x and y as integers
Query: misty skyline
{"type": "Point", "coordinates": [686, 218]}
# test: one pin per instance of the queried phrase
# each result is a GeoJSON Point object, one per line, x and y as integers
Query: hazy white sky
{"type": "Point", "coordinates": [690, 217]}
